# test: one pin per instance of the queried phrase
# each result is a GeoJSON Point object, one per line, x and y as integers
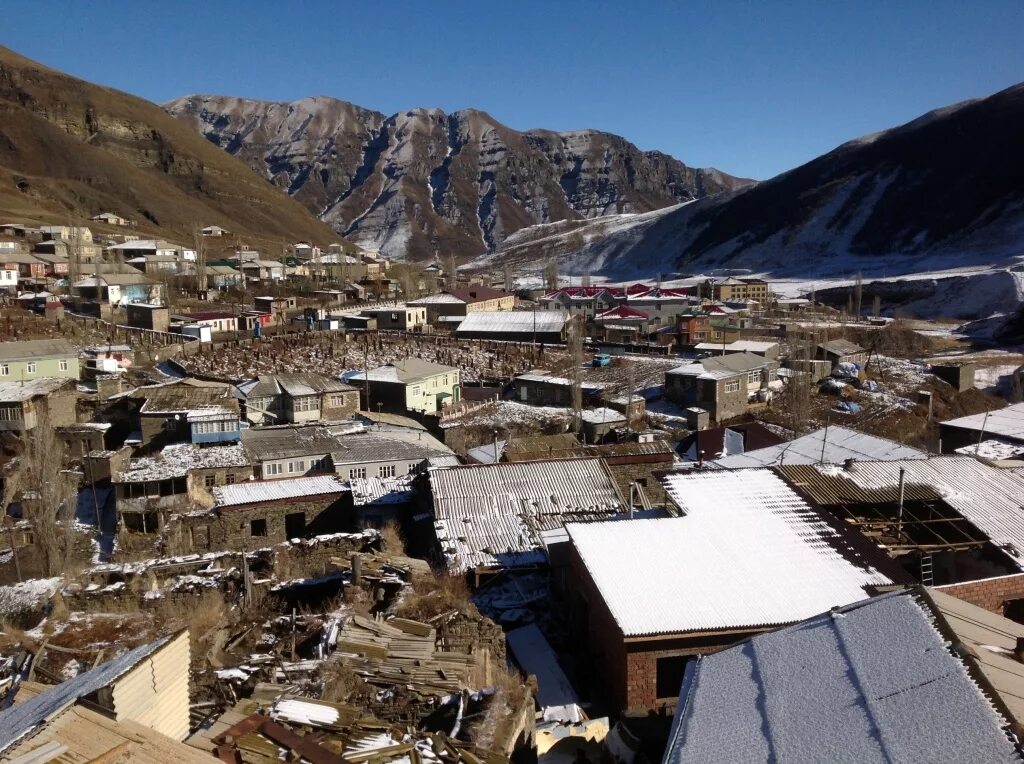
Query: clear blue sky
{"type": "Point", "coordinates": [753, 88]}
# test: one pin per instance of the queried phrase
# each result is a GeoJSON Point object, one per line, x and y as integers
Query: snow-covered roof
{"type": "Point", "coordinates": [491, 515]}
{"type": "Point", "coordinates": [436, 299]}
{"type": "Point", "coordinates": [373, 490]}
{"type": "Point", "coordinates": [602, 415]}
{"type": "Point", "coordinates": [993, 449]}
{"type": "Point", "coordinates": [1005, 423]}
{"type": "Point", "coordinates": [19, 392]}
{"type": "Point", "coordinates": [873, 682]}
{"type": "Point", "coordinates": [407, 371]}
{"type": "Point", "coordinates": [748, 553]}
{"type": "Point", "coordinates": [831, 445]}
{"type": "Point", "coordinates": [175, 461]}
{"type": "Point", "coordinates": [257, 491]}
{"type": "Point", "coordinates": [721, 367]}
{"type": "Point", "coordinates": [739, 346]}
{"type": "Point", "coordinates": [513, 321]}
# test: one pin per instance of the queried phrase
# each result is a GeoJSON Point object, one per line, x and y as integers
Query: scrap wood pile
{"type": "Point", "coordinates": [320, 731]}
{"type": "Point", "coordinates": [399, 652]}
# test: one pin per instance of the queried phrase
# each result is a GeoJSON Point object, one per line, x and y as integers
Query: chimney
{"type": "Point", "coordinates": [848, 464]}
{"type": "Point", "coordinates": [1018, 650]}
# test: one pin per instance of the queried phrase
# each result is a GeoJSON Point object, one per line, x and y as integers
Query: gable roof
{"type": "Point", "coordinates": [841, 347]}
{"type": "Point", "coordinates": [623, 312]}
{"type": "Point", "coordinates": [407, 371]}
{"type": "Point", "coordinates": [749, 553]}
{"type": "Point", "coordinates": [1006, 422]}
{"type": "Point", "coordinates": [723, 366]}
{"type": "Point", "coordinates": [513, 321]}
{"type": "Point", "coordinates": [829, 445]}
{"type": "Point", "coordinates": [872, 682]}
{"type": "Point", "coordinates": [34, 350]}
{"type": "Point", "coordinates": [22, 718]}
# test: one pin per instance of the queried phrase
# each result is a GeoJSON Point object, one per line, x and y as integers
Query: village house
{"type": "Point", "coordinates": [223, 276]}
{"type": "Point", "coordinates": [515, 326]}
{"type": "Point", "coordinates": [158, 265]}
{"type": "Point", "coordinates": [693, 327]}
{"type": "Point", "coordinates": [538, 499]}
{"type": "Point", "coordinates": [215, 230]}
{"type": "Point", "coordinates": [299, 450]}
{"type": "Point", "coordinates": [539, 387]}
{"type": "Point", "coordinates": [145, 315]}
{"type": "Point", "coordinates": [275, 306]}
{"type": "Point", "coordinates": [110, 290]}
{"type": "Point", "coordinates": [28, 266]}
{"type": "Point", "coordinates": [217, 320]}
{"type": "Point", "coordinates": [741, 290]}
{"type": "Point", "coordinates": [842, 351]}
{"type": "Point", "coordinates": [152, 489]}
{"type": "Point", "coordinates": [1005, 425]}
{"type": "Point", "coordinates": [188, 410]}
{"type": "Point", "coordinates": [405, 318]}
{"type": "Point", "coordinates": [828, 445]}
{"type": "Point", "coordinates": [8, 280]}
{"type": "Point", "coordinates": [256, 514]}
{"type": "Point", "coordinates": [33, 359]}
{"type": "Point", "coordinates": [622, 324]}
{"type": "Point", "coordinates": [66, 233]}
{"type": "Point", "coordinates": [582, 301]}
{"type": "Point", "coordinates": [459, 302]}
{"type": "Point", "coordinates": [57, 265]}
{"type": "Point", "coordinates": [261, 270]}
{"type": "Point", "coordinates": [409, 385]}
{"type": "Point", "coordinates": [24, 405]}
{"type": "Point", "coordinates": [144, 248]}
{"type": "Point", "coordinates": [763, 348]}
{"type": "Point", "coordinates": [747, 555]}
{"type": "Point", "coordinates": [134, 706]}
{"type": "Point", "coordinates": [723, 386]}
{"type": "Point", "coordinates": [911, 675]}
{"type": "Point", "coordinates": [109, 218]}
{"type": "Point", "coordinates": [297, 398]}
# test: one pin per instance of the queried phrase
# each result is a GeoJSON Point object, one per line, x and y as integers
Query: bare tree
{"type": "Point", "coordinates": [49, 495]}
{"type": "Point", "coordinates": [796, 394]}
{"type": "Point", "coordinates": [551, 275]}
{"type": "Point", "coordinates": [858, 296]}
{"type": "Point", "coordinates": [574, 342]}
{"type": "Point", "coordinates": [200, 245]}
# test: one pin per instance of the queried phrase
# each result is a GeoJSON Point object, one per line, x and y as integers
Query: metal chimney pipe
{"type": "Point", "coordinates": [899, 513]}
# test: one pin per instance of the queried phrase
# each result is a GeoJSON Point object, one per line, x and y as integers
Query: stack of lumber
{"type": "Point", "coordinates": [401, 652]}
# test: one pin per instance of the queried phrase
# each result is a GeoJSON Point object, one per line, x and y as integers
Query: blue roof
{"type": "Point", "coordinates": [871, 682]}
{"type": "Point", "coordinates": [21, 719]}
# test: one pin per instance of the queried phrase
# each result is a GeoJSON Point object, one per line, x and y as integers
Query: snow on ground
{"type": "Point", "coordinates": [504, 415]}
{"type": "Point", "coordinates": [26, 595]}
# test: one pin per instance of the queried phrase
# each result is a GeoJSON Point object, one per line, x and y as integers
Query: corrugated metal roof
{"type": "Point", "coordinates": [491, 515]}
{"type": "Point", "coordinates": [991, 498]}
{"type": "Point", "coordinates": [256, 491]}
{"type": "Point", "coordinates": [16, 392]}
{"type": "Point", "coordinates": [36, 349]}
{"type": "Point", "coordinates": [874, 682]}
{"type": "Point", "coordinates": [513, 321]}
{"type": "Point", "coordinates": [749, 553]}
{"type": "Point", "coordinates": [839, 444]}
{"type": "Point", "coordinates": [1007, 422]}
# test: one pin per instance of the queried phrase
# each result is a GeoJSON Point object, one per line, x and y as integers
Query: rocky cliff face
{"type": "Point", "coordinates": [424, 183]}
{"type": "Point", "coordinates": [943, 191]}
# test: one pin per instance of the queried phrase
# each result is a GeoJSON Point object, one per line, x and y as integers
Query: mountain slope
{"type": "Point", "coordinates": [422, 182]}
{"type": "Point", "coordinates": [944, 190]}
{"type": "Point", "coordinates": [70, 150]}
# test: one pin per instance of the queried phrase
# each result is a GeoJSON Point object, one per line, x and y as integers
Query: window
{"type": "Point", "coordinates": [274, 469]}
{"type": "Point", "coordinates": [754, 376]}
{"type": "Point", "coordinates": [210, 481]}
{"type": "Point", "coordinates": [30, 367]}
{"type": "Point", "coordinates": [386, 471]}
{"type": "Point", "coordinates": [337, 400]}
{"type": "Point", "coordinates": [63, 364]}
{"type": "Point", "coordinates": [306, 403]}
{"type": "Point", "coordinates": [357, 473]}
{"type": "Point", "coordinates": [230, 478]}
{"type": "Point", "coordinates": [294, 525]}
{"type": "Point", "coordinates": [5, 369]}
{"type": "Point", "coordinates": [670, 671]}
{"type": "Point", "coordinates": [10, 413]}
{"type": "Point", "coordinates": [732, 386]}
{"type": "Point", "coordinates": [416, 392]}
{"type": "Point", "coordinates": [259, 528]}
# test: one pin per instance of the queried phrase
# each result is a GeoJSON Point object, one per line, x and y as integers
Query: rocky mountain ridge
{"type": "Point", "coordinates": [423, 183]}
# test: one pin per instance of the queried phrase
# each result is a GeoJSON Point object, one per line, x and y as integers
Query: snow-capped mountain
{"type": "Point", "coordinates": [424, 183]}
{"type": "Point", "coordinates": [943, 191]}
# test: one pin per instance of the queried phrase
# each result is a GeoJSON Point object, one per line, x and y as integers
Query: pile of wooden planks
{"type": "Point", "coordinates": [402, 652]}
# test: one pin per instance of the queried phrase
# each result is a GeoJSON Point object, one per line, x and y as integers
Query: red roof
{"type": "Point", "coordinates": [622, 311]}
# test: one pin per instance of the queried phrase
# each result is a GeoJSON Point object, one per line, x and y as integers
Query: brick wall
{"type": "Point", "coordinates": [988, 593]}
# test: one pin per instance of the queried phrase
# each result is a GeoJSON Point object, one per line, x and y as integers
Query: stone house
{"type": "Point", "coordinates": [35, 359]}
{"type": "Point", "coordinates": [842, 351]}
{"type": "Point", "coordinates": [298, 398]}
{"type": "Point", "coordinates": [172, 413]}
{"type": "Point", "coordinates": [256, 514]}
{"type": "Point", "coordinates": [24, 404]}
{"type": "Point", "coordinates": [723, 386]}
{"type": "Point", "coordinates": [539, 387]}
{"type": "Point", "coordinates": [178, 479]}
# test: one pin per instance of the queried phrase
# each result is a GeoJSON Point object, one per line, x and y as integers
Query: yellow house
{"type": "Point", "coordinates": [409, 385]}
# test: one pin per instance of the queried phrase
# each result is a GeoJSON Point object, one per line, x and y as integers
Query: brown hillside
{"type": "Point", "coordinates": [70, 150]}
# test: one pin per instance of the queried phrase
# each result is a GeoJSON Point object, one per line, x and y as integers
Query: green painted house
{"type": "Point", "coordinates": [36, 359]}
